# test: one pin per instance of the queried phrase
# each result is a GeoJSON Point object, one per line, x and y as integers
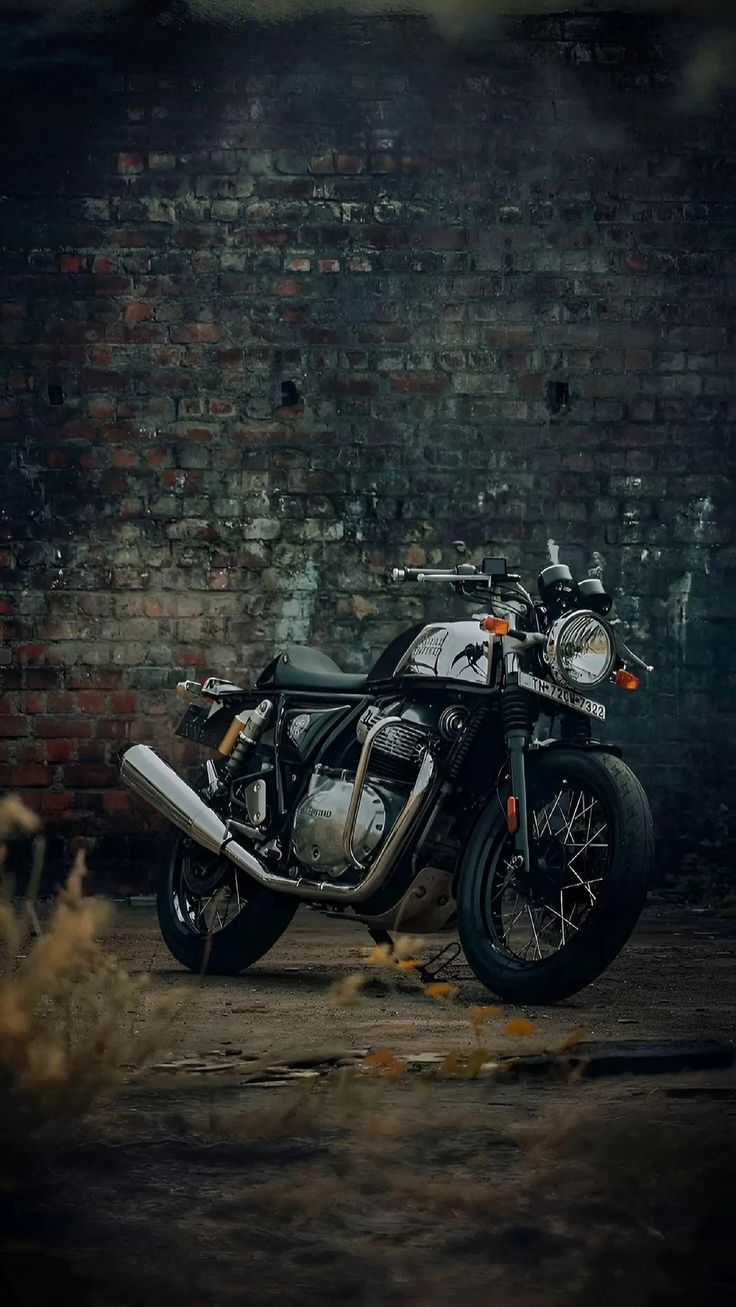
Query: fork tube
{"type": "Point", "coordinates": [517, 727]}
{"type": "Point", "coordinates": [516, 742]}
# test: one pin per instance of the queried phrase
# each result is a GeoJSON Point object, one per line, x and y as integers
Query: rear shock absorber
{"type": "Point", "coordinates": [517, 717]}
{"type": "Point", "coordinates": [246, 729]}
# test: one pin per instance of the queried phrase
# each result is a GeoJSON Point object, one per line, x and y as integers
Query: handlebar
{"type": "Point", "coordinates": [465, 571]}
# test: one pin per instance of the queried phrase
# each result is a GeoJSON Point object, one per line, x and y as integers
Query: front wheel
{"type": "Point", "coordinates": [541, 936]}
{"type": "Point", "coordinates": [213, 917]}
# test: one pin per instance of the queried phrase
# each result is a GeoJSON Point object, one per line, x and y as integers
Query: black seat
{"type": "Point", "coordinates": [302, 668]}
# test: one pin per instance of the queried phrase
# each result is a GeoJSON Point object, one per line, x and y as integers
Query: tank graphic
{"type": "Point", "coordinates": [456, 651]}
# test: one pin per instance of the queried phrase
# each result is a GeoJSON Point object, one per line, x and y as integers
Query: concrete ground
{"type": "Point", "coordinates": [676, 979]}
{"type": "Point", "coordinates": [196, 1185]}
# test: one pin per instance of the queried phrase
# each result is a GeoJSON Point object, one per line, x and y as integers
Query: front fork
{"type": "Point", "coordinates": [517, 727]}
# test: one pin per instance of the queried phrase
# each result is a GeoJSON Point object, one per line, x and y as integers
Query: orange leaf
{"type": "Point", "coordinates": [573, 1039]}
{"type": "Point", "coordinates": [384, 1063]}
{"type": "Point", "coordinates": [478, 1015]}
{"type": "Point", "coordinates": [451, 1064]}
{"type": "Point", "coordinates": [381, 1057]}
{"type": "Point", "coordinates": [519, 1028]}
{"type": "Point", "coordinates": [439, 989]}
{"type": "Point", "coordinates": [409, 964]}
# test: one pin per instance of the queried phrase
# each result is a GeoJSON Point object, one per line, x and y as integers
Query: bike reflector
{"type": "Point", "coordinates": [512, 814]}
{"type": "Point", "coordinates": [626, 680]}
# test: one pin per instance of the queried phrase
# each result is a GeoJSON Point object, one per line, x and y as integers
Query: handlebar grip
{"type": "Point", "coordinates": [413, 573]}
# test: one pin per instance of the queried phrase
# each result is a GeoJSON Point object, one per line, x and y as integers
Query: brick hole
{"type": "Point", "coordinates": [558, 396]}
{"type": "Point", "coordinates": [290, 394]}
{"type": "Point", "coordinates": [56, 396]}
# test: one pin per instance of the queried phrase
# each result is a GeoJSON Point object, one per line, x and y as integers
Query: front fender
{"type": "Point", "coordinates": [585, 746]}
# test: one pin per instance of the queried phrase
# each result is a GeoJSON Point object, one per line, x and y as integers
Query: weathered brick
{"type": "Point", "coordinates": [129, 164]}
{"type": "Point", "coordinates": [197, 333]}
{"type": "Point", "coordinates": [135, 313]}
{"type": "Point", "coordinates": [351, 164]}
{"type": "Point", "coordinates": [263, 343]}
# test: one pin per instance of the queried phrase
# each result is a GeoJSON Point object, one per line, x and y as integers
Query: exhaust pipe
{"type": "Point", "coordinates": [152, 779]}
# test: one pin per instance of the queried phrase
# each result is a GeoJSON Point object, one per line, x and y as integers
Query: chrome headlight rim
{"type": "Point", "coordinates": [554, 655]}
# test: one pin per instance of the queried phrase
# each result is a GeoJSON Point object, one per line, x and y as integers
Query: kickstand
{"type": "Point", "coordinates": [433, 968]}
{"type": "Point", "coordinates": [381, 938]}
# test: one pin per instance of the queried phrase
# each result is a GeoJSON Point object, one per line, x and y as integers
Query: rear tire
{"type": "Point", "coordinates": [611, 917]}
{"type": "Point", "coordinates": [255, 929]}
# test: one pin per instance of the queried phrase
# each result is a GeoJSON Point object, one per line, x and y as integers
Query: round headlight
{"type": "Point", "coordinates": [580, 650]}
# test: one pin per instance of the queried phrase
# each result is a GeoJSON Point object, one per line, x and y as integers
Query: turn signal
{"type": "Point", "coordinates": [626, 680]}
{"type": "Point", "coordinates": [496, 625]}
{"type": "Point", "coordinates": [512, 814]}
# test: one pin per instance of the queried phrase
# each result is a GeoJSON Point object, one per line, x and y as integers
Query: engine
{"type": "Point", "coordinates": [320, 818]}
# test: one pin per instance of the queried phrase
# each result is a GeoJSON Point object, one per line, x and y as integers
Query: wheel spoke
{"type": "Point", "coordinates": [206, 895]}
{"type": "Point", "coordinates": [548, 814]}
{"type": "Point", "coordinates": [564, 920]}
{"type": "Point", "coordinates": [580, 882]}
{"type": "Point", "coordinates": [576, 884]}
{"type": "Point", "coordinates": [534, 929]}
{"type": "Point", "coordinates": [536, 912]}
{"type": "Point", "coordinates": [568, 829]}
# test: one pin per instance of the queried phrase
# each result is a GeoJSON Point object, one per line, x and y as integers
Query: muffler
{"type": "Point", "coordinates": [152, 779]}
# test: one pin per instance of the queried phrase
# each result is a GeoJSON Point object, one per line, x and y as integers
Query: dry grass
{"type": "Point", "coordinates": [607, 1202]}
{"type": "Point", "coordinates": [69, 1014]}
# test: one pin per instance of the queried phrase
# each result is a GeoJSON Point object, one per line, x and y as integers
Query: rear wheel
{"type": "Point", "coordinates": [215, 918]}
{"type": "Point", "coordinates": [544, 935]}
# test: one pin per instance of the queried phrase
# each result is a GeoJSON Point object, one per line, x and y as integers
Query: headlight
{"type": "Point", "coordinates": [580, 650]}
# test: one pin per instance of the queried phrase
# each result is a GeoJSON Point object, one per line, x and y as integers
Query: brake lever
{"type": "Point", "coordinates": [628, 654]}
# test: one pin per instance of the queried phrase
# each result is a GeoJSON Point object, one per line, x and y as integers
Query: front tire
{"type": "Point", "coordinates": [212, 917]}
{"type": "Point", "coordinates": [577, 921]}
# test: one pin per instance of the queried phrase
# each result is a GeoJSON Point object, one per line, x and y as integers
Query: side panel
{"type": "Point", "coordinates": [457, 651]}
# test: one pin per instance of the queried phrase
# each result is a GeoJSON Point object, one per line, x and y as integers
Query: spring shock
{"type": "Point", "coordinates": [253, 725]}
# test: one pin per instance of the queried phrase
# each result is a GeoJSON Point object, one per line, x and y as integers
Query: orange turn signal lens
{"type": "Point", "coordinates": [626, 680]}
{"type": "Point", "coordinates": [496, 625]}
{"type": "Point", "coordinates": [512, 814]}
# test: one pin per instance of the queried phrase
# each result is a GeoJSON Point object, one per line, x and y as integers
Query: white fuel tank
{"type": "Point", "coordinates": [456, 651]}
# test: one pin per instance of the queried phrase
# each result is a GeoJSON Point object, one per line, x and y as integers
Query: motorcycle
{"type": "Point", "coordinates": [458, 782]}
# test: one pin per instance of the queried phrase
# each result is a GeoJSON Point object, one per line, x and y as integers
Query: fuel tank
{"type": "Point", "coordinates": [455, 651]}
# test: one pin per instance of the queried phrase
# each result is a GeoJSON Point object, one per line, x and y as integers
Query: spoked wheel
{"type": "Point", "coordinates": [541, 935]}
{"type": "Point", "coordinates": [533, 916]}
{"type": "Point", "coordinates": [215, 918]}
{"type": "Point", "coordinates": [206, 890]}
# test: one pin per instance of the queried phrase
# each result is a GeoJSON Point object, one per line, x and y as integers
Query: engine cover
{"type": "Point", "coordinates": [320, 820]}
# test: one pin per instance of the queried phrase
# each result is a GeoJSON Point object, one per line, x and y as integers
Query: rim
{"type": "Point", "coordinates": [207, 892]}
{"type": "Point", "coordinates": [532, 918]}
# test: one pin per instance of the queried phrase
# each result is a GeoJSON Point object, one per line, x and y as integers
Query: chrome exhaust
{"type": "Point", "coordinates": [152, 779]}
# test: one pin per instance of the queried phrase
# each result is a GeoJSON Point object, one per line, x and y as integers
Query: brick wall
{"type": "Point", "coordinates": [284, 306]}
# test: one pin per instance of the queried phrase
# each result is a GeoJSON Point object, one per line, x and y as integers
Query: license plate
{"type": "Point", "coordinates": [570, 698]}
{"type": "Point", "coordinates": [192, 723]}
